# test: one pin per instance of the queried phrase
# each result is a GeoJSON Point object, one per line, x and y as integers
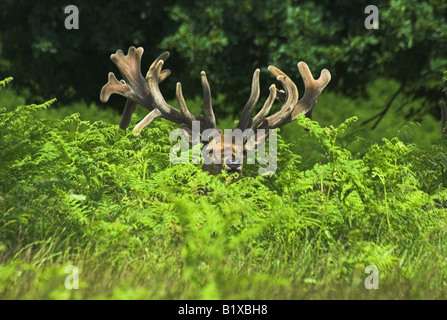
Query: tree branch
{"type": "Point", "coordinates": [382, 113]}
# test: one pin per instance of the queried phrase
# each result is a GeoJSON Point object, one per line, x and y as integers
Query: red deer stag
{"type": "Point", "coordinates": [229, 156]}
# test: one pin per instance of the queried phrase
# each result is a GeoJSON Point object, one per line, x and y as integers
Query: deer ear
{"type": "Point", "coordinates": [256, 140]}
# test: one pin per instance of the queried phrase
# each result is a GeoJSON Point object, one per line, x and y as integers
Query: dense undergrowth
{"type": "Point", "coordinates": [75, 192]}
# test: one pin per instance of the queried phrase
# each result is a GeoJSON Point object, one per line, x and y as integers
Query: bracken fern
{"type": "Point", "coordinates": [82, 193]}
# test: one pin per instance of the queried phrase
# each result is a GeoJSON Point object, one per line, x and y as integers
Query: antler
{"type": "Point", "coordinates": [146, 92]}
{"type": "Point", "coordinates": [289, 97]}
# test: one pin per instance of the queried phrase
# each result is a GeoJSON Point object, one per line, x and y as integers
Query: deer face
{"type": "Point", "coordinates": [228, 151]}
{"type": "Point", "coordinates": [224, 151]}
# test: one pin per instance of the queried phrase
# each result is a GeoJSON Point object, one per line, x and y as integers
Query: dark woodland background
{"type": "Point", "coordinates": [228, 39]}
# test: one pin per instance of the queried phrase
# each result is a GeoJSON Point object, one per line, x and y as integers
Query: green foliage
{"type": "Point", "coordinates": [444, 80]}
{"type": "Point", "coordinates": [75, 192]}
{"type": "Point", "coordinates": [4, 82]}
{"type": "Point", "coordinates": [75, 62]}
{"type": "Point", "coordinates": [249, 34]}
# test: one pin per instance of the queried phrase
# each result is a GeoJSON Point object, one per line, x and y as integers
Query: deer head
{"type": "Point", "coordinates": [223, 152]}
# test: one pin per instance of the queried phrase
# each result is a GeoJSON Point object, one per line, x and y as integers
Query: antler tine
{"type": "Point", "coordinates": [207, 102]}
{"type": "Point", "coordinates": [266, 108]}
{"type": "Point", "coordinates": [290, 96]}
{"type": "Point", "coordinates": [130, 68]}
{"type": "Point", "coordinates": [164, 56]}
{"type": "Point", "coordinates": [182, 103]}
{"type": "Point", "coordinates": [146, 121]}
{"type": "Point", "coordinates": [129, 109]}
{"type": "Point", "coordinates": [182, 116]}
{"type": "Point", "coordinates": [313, 89]}
{"type": "Point", "coordinates": [291, 105]}
{"type": "Point", "coordinates": [113, 86]}
{"type": "Point", "coordinates": [131, 105]}
{"type": "Point", "coordinates": [251, 103]}
{"type": "Point", "coordinates": [163, 74]}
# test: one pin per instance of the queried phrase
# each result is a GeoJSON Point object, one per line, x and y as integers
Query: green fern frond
{"type": "Point", "coordinates": [4, 82]}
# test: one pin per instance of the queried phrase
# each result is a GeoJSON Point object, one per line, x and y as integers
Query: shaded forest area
{"type": "Point", "coordinates": [228, 39]}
